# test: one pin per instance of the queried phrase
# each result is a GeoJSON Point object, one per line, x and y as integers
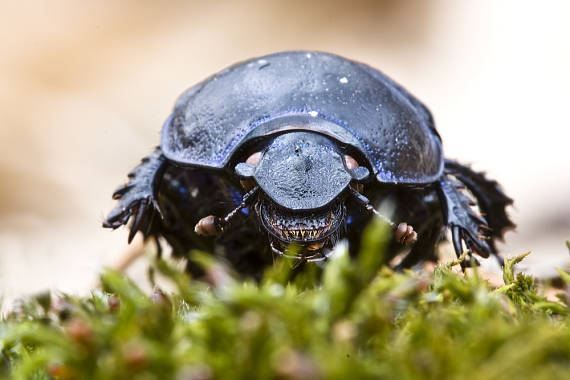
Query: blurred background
{"type": "Point", "coordinates": [86, 86]}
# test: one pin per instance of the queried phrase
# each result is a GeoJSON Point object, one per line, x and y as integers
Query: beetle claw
{"type": "Point", "coordinates": [157, 207]}
{"type": "Point", "coordinates": [138, 220]}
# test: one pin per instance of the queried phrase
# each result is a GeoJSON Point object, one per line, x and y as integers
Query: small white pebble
{"type": "Point", "coordinates": [343, 80]}
{"type": "Point", "coordinates": [314, 113]}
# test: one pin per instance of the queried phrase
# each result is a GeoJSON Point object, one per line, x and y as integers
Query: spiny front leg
{"type": "Point", "coordinates": [491, 199]}
{"type": "Point", "coordinates": [138, 197]}
{"type": "Point", "coordinates": [465, 224]}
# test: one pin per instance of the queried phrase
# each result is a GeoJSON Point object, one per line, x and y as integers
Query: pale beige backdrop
{"type": "Point", "coordinates": [86, 85]}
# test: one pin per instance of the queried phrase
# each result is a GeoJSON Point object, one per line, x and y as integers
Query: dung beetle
{"type": "Point", "coordinates": [298, 147]}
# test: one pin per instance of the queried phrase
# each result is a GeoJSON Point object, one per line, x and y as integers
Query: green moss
{"type": "Point", "coordinates": [356, 319]}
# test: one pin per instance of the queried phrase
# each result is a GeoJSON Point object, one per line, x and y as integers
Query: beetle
{"type": "Point", "coordinates": [298, 147]}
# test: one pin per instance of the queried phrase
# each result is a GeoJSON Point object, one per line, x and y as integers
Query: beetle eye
{"type": "Point", "coordinates": [350, 162]}
{"type": "Point", "coordinates": [254, 159]}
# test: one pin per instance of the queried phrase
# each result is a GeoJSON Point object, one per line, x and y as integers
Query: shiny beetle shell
{"type": "Point", "coordinates": [323, 93]}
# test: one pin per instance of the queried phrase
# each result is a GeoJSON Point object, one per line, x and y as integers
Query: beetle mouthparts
{"type": "Point", "coordinates": [309, 229]}
{"type": "Point", "coordinates": [300, 234]}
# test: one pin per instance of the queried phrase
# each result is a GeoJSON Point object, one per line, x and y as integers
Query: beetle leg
{"type": "Point", "coordinates": [456, 239]}
{"type": "Point", "coordinates": [457, 236]}
{"type": "Point", "coordinates": [213, 225]}
{"type": "Point", "coordinates": [137, 198]}
{"type": "Point", "coordinates": [464, 222]}
{"type": "Point", "coordinates": [491, 199]}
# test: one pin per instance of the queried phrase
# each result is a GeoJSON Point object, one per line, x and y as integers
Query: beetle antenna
{"type": "Point", "coordinates": [404, 233]}
{"type": "Point", "coordinates": [365, 203]}
{"type": "Point", "coordinates": [213, 225]}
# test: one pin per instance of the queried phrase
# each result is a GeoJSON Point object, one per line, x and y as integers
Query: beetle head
{"type": "Point", "coordinates": [303, 177]}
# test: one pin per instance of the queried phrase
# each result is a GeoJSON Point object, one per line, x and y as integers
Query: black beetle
{"type": "Point", "coordinates": [297, 147]}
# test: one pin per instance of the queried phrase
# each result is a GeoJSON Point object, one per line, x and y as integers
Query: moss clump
{"type": "Point", "coordinates": [356, 319]}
